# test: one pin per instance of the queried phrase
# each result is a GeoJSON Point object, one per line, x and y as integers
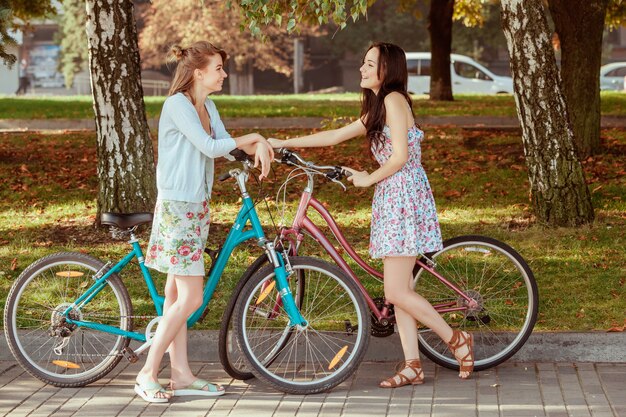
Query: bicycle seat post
{"type": "Point", "coordinates": [133, 238]}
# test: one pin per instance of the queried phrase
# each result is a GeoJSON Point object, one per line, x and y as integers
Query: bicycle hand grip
{"type": "Point", "coordinates": [224, 176]}
{"type": "Point", "coordinates": [239, 155]}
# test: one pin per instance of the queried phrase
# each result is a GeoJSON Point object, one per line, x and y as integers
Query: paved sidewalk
{"type": "Point", "coordinates": [510, 390]}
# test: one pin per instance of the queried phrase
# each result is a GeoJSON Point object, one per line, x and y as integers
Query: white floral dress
{"type": "Point", "coordinates": [179, 233]}
{"type": "Point", "coordinates": [404, 217]}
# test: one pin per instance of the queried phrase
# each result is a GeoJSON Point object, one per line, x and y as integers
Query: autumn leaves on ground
{"type": "Point", "coordinates": [478, 177]}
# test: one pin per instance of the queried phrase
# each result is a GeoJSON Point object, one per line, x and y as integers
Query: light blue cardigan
{"type": "Point", "coordinates": [186, 151]}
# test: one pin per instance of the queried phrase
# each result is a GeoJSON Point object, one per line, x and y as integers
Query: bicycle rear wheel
{"type": "Point", "coordinates": [499, 279]}
{"type": "Point", "coordinates": [47, 347]}
{"type": "Point", "coordinates": [318, 356]}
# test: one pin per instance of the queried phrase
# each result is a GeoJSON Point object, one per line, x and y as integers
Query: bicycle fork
{"type": "Point", "coordinates": [282, 270]}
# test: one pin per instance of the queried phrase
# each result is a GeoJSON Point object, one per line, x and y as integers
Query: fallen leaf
{"type": "Point", "coordinates": [13, 264]}
{"type": "Point", "coordinates": [452, 193]}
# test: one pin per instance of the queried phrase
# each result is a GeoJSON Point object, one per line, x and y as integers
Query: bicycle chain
{"type": "Point", "coordinates": [108, 316]}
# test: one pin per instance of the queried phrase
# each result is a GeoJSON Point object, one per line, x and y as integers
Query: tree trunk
{"type": "Point", "coordinates": [241, 78]}
{"type": "Point", "coordinates": [125, 155]}
{"type": "Point", "coordinates": [559, 193]}
{"type": "Point", "coordinates": [579, 25]}
{"type": "Point", "coordinates": [440, 29]}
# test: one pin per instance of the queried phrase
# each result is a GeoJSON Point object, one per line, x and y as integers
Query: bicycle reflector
{"type": "Point", "coordinates": [338, 357]}
{"type": "Point", "coordinates": [265, 292]}
{"type": "Point", "coordinates": [66, 364]}
{"type": "Point", "coordinates": [70, 274]}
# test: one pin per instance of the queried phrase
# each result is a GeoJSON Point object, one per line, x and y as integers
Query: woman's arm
{"type": "Point", "coordinates": [247, 143]}
{"type": "Point", "coordinates": [179, 111]}
{"type": "Point", "coordinates": [325, 138]}
{"type": "Point", "coordinates": [395, 108]}
{"type": "Point", "coordinates": [255, 144]}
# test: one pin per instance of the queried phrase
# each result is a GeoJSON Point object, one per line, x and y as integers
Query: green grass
{"type": "Point", "coordinates": [47, 204]}
{"type": "Point", "coordinates": [303, 105]}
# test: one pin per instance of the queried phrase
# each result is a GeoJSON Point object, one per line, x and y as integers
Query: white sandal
{"type": "Point", "coordinates": [149, 390]}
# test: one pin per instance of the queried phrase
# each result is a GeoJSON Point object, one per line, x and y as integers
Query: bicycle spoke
{"type": "Point", "coordinates": [314, 352]}
{"type": "Point", "coordinates": [501, 287]}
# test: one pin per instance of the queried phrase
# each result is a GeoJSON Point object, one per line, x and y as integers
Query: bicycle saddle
{"type": "Point", "coordinates": [125, 220]}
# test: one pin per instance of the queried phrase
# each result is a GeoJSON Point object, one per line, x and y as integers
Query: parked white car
{"type": "Point", "coordinates": [612, 76]}
{"type": "Point", "coordinates": [468, 76]}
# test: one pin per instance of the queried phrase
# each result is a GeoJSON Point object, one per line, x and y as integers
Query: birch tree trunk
{"type": "Point", "coordinates": [440, 29]}
{"type": "Point", "coordinates": [125, 156]}
{"type": "Point", "coordinates": [559, 193]}
{"type": "Point", "coordinates": [579, 25]}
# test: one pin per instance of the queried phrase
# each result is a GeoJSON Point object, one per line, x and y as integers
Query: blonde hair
{"type": "Point", "coordinates": [196, 56]}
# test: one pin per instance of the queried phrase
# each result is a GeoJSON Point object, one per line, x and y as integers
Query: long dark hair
{"type": "Point", "coordinates": [392, 70]}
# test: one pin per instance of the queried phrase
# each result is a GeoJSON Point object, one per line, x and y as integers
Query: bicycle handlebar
{"type": "Point", "coordinates": [292, 158]}
{"type": "Point", "coordinates": [240, 156]}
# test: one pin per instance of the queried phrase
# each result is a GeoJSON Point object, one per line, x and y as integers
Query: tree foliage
{"type": "Point", "coordinates": [385, 21]}
{"type": "Point", "coordinates": [216, 23]}
{"type": "Point", "coordinates": [615, 14]}
{"type": "Point", "coordinates": [470, 12]}
{"type": "Point", "coordinates": [14, 14]}
{"type": "Point", "coordinates": [293, 13]}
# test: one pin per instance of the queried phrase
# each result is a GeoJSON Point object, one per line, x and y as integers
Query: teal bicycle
{"type": "Point", "coordinates": [69, 317]}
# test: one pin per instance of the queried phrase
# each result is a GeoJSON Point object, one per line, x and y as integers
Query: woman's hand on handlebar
{"type": "Point", "coordinates": [358, 178]}
{"type": "Point", "coordinates": [263, 154]}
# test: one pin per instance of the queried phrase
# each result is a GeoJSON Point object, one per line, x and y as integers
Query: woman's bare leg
{"type": "Point", "coordinates": [189, 298]}
{"type": "Point", "coordinates": [398, 272]}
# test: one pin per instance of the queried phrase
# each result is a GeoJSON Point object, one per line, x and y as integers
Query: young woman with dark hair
{"type": "Point", "coordinates": [404, 219]}
{"type": "Point", "coordinates": [191, 135]}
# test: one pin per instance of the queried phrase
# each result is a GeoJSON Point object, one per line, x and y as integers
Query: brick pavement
{"type": "Point", "coordinates": [510, 390]}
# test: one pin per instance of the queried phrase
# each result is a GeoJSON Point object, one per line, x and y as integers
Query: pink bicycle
{"type": "Point", "coordinates": [477, 283]}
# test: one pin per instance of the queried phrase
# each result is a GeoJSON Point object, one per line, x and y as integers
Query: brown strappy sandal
{"type": "Point", "coordinates": [415, 365]}
{"type": "Point", "coordinates": [457, 341]}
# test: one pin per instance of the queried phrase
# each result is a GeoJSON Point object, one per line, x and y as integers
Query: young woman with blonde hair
{"type": "Point", "coordinates": [191, 136]}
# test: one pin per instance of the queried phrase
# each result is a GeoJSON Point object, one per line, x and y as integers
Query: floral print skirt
{"type": "Point", "coordinates": [179, 234]}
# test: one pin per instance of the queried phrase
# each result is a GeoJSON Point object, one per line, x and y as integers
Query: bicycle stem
{"type": "Point", "coordinates": [280, 271]}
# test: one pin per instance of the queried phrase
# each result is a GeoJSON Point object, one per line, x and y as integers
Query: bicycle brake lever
{"type": "Point", "coordinates": [340, 183]}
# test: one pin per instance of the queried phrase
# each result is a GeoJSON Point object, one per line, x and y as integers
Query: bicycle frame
{"type": "Point", "coordinates": [237, 235]}
{"type": "Point", "coordinates": [303, 222]}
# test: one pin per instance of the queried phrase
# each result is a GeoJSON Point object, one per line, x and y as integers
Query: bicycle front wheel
{"type": "Point", "coordinates": [230, 355]}
{"type": "Point", "coordinates": [318, 356]}
{"type": "Point", "coordinates": [498, 278]}
{"type": "Point", "coordinates": [44, 344]}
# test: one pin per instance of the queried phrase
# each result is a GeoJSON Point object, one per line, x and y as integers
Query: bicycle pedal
{"type": "Point", "coordinates": [130, 355]}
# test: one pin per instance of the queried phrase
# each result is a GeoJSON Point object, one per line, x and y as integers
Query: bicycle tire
{"type": "Point", "coordinates": [33, 311]}
{"type": "Point", "coordinates": [228, 350]}
{"type": "Point", "coordinates": [230, 355]}
{"type": "Point", "coordinates": [349, 325]}
{"type": "Point", "coordinates": [508, 299]}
